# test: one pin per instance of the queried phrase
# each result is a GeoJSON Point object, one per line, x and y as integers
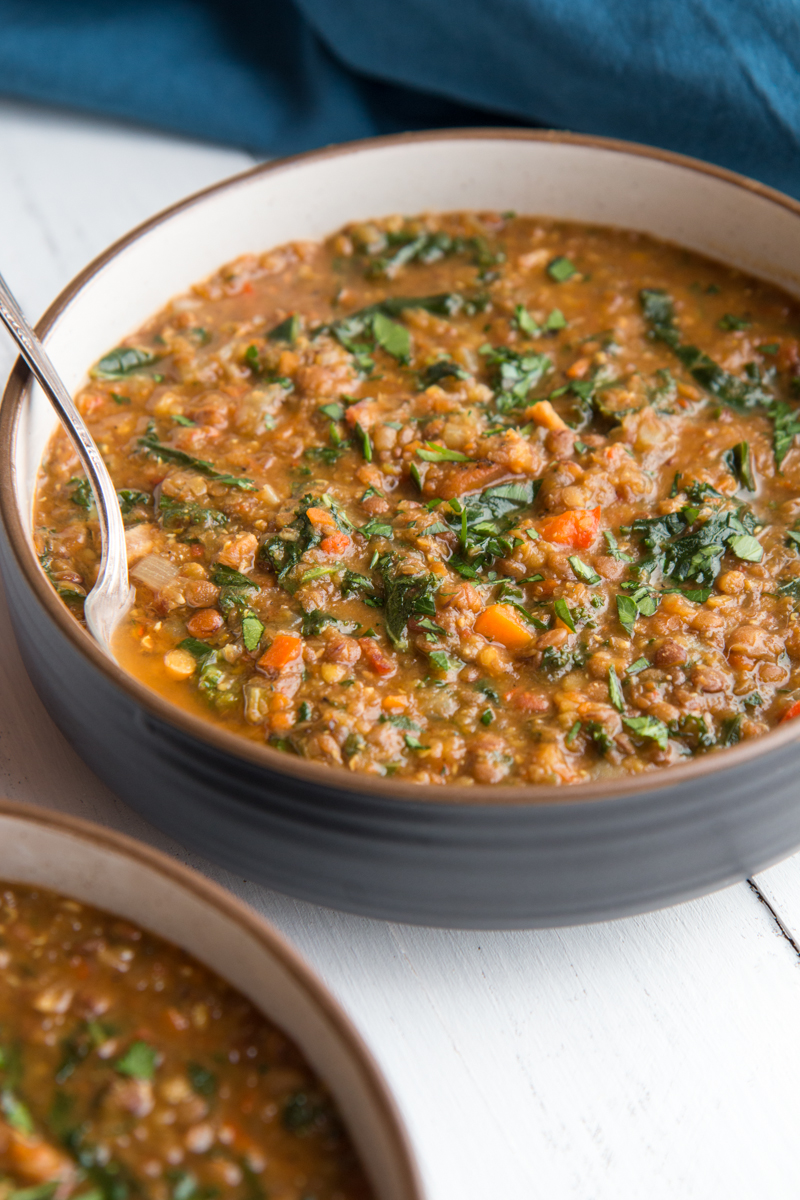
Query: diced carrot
{"type": "Point", "coordinates": [321, 516]}
{"type": "Point", "coordinates": [500, 623]}
{"type": "Point", "coordinates": [288, 362]}
{"type": "Point", "coordinates": [543, 413]}
{"type": "Point", "coordinates": [335, 543]}
{"type": "Point", "coordinates": [791, 712]}
{"type": "Point", "coordinates": [281, 722]}
{"type": "Point", "coordinates": [285, 650]}
{"type": "Point", "coordinates": [578, 528]}
{"type": "Point", "coordinates": [578, 368]}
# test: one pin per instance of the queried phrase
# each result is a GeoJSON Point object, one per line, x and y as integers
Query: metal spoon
{"type": "Point", "coordinates": [112, 595]}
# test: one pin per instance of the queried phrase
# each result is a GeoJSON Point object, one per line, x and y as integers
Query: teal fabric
{"type": "Point", "coordinates": [719, 79]}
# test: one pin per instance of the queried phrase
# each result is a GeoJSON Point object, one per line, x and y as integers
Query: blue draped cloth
{"type": "Point", "coordinates": [719, 79]}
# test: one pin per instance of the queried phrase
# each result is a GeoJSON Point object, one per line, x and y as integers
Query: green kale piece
{"type": "Point", "coordinates": [741, 394]}
{"type": "Point", "coordinates": [138, 1061]}
{"type": "Point", "coordinates": [283, 553]}
{"type": "Point", "coordinates": [362, 586]}
{"type": "Point", "coordinates": [443, 368]}
{"type": "Point", "coordinates": [601, 738]}
{"type": "Point", "coordinates": [481, 522]}
{"type": "Point", "coordinates": [82, 494]}
{"type": "Point", "coordinates": [686, 549]}
{"type": "Point", "coordinates": [405, 247]}
{"type": "Point", "coordinates": [403, 597]}
{"type": "Point", "coordinates": [129, 499]}
{"type": "Point", "coordinates": [153, 446]}
{"type": "Point", "coordinates": [181, 515]}
{"type": "Point", "coordinates": [650, 728]}
{"type": "Point", "coordinates": [125, 360]}
{"type": "Point", "coordinates": [561, 269]}
{"type": "Point", "coordinates": [287, 331]}
{"type": "Point", "coordinates": [560, 660]}
{"type": "Point", "coordinates": [786, 426]}
{"type": "Point", "coordinates": [200, 650]}
{"type": "Point", "coordinates": [514, 374]}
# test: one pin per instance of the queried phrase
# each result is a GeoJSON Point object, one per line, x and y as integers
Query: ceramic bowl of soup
{"type": "Point", "coordinates": [460, 484]}
{"type": "Point", "coordinates": [158, 1036]}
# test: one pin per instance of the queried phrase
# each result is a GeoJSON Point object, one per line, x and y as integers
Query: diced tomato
{"type": "Point", "coordinates": [578, 528]}
{"type": "Point", "coordinates": [791, 712]}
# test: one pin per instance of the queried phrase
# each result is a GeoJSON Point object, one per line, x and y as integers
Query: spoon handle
{"type": "Point", "coordinates": [112, 595]}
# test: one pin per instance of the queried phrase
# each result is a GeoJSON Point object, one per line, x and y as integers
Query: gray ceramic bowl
{"type": "Point", "coordinates": [121, 876]}
{"type": "Point", "coordinates": [471, 857]}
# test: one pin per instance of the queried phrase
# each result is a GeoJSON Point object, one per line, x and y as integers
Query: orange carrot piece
{"type": "Point", "coordinates": [578, 528]}
{"type": "Point", "coordinates": [500, 623]}
{"type": "Point", "coordinates": [321, 516]}
{"type": "Point", "coordinates": [285, 650]}
{"type": "Point", "coordinates": [335, 543]}
{"type": "Point", "coordinates": [578, 368]}
{"type": "Point", "coordinates": [792, 712]}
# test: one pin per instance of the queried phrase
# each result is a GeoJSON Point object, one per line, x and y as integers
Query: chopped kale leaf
{"type": "Point", "coordinates": [287, 331]}
{"type": "Point", "coordinates": [125, 360]}
{"type": "Point", "coordinates": [404, 596]}
{"type": "Point", "coordinates": [561, 269]}
{"type": "Point", "coordinates": [443, 368]}
{"type": "Point", "coordinates": [153, 446]}
{"type": "Point", "coordinates": [514, 374]}
{"type": "Point", "coordinates": [738, 393]}
{"type": "Point", "coordinates": [650, 728]}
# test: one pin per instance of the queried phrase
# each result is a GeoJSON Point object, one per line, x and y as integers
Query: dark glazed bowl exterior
{"type": "Point", "coordinates": [478, 857]}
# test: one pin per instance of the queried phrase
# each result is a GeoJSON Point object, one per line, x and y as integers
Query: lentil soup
{"type": "Point", "coordinates": [471, 498]}
{"type": "Point", "coordinates": [129, 1070]}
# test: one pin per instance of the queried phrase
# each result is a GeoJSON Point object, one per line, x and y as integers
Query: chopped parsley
{"type": "Point", "coordinates": [138, 1061]}
{"type": "Point", "coordinates": [561, 269]}
{"type": "Point", "coordinates": [433, 452]}
{"type": "Point", "coordinates": [650, 728]}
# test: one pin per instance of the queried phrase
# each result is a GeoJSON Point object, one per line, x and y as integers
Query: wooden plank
{"type": "Point", "coordinates": [652, 1056]}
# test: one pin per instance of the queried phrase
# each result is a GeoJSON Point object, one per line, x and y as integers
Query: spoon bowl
{"type": "Point", "coordinates": [112, 595]}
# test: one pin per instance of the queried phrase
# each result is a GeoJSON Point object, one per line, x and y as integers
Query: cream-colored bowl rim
{"type": "Point", "coordinates": [265, 756]}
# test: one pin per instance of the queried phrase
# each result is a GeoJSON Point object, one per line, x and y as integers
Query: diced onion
{"type": "Point", "coordinates": [154, 570]}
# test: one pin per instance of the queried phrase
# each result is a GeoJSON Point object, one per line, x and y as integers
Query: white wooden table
{"type": "Point", "coordinates": [652, 1057]}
